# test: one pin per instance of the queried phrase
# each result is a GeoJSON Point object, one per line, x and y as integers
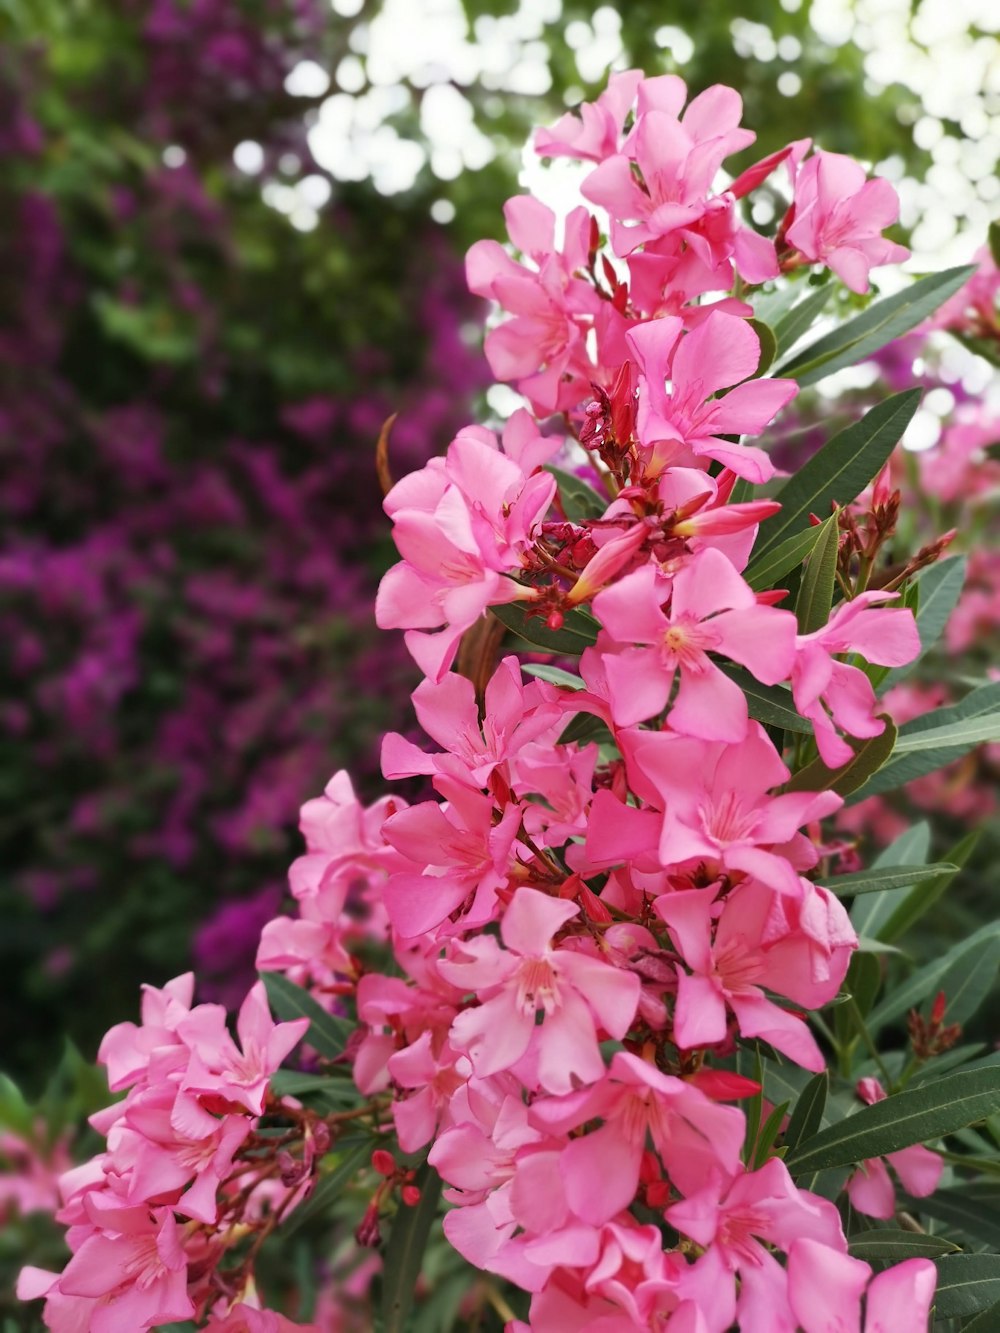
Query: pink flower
{"type": "Point", "coordinates": [593, 134]}
{"type": "Point", "coordinates": [870, 1188]}
{"type": "Point", "coordinates": [825, 1287]}
{"type": "Point", "coordinates": [827, 691]}
{"type": "Point", "coordinates": [838, 217]}
{"type": "Point", "coordinates": [717, 806]}
{"type": "Point", "coordinates": [687, 423]}
{"type": "Point", "coordinates": [735, 1220]}
{"type": "Point", "coordinates": [695, 1137]}
{"type": "Point", "coordinates": [711, 610]}
{"type": "Point", "coordinates": [756, 944]}
{"type": "Point", "coordinates": [576, 995]}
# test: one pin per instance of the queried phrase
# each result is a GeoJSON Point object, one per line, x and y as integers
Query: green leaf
{"type": "Point", "coordinates": [970, 1210]}
{"type": "Point", "coordinates": [812, 606]}
{"type": "Point", "coordinates": [768, 1134]}
{"type": "Point", "coordinates": [15, 1113]}
{"type": "Point", "coordinates": [808, 1114]}
{"type": "Point", "coordinates": [888, 1246]}
{"type": "Point", "coordinates": [869, 757]}
{"type": "Point", "coordinates": [768, 345]}
{"type": "Point", "coordinates": [887, 877]}
{"type": "Point", "coordinates": [766, 571]}
{"type": "Point", "coordinates": [940, 586]}
{"type": "Point", "coordinates": [969, 980]}
{"type": "Point", "coordinates": [404, 1254]}
{"type": "Point", "coordinates": [993, 238]}
{"type": "Point", "coordinates": [578, 630]}
{"type": "Point", "coordinates": [585, 727]}
{"type": "Point", "coordinates": [554, 675]}
{"type": "Point", "coordinates": [327, 1033]}
{"type": "Point", "coordinates": [352, 1155]}
{"type": "Point", "coordinates": [770, 704]}
{"type": "Point", "coordinates": [927, 893]}
{"type": "Point", "coordinates": [986, 1322]}
{"type": "Point", "coordinates": [789, 327]}
{"type": "Point", "coordinates": [881, 323]}
{"type": "Point", "coordinates": [840, 471]}
{"type": "Point", "coordinates": [864, 977]}
{"type": "Point", "coordinates": [910, 848]}
{"type": "Point", "coordinates": [967, 1284]}
{"type": "Point", "coordinates": [899, 1121]}
{"type": "Point", "coordinates": [938, 738]}
{"type": "Point", "coordinates": [579, 500]}
{"type": "Point", "coordinates": [927, 979]}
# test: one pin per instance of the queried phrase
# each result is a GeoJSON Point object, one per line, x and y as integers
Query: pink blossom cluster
{"type": "Point", "coordinates": [610, 886]}
{"type": "Point", "coordinates": [674, 239]}
{"type": "Point", "coordinates": [181, 1180]}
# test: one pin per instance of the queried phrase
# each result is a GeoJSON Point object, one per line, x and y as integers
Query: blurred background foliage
{"type": "Point", "coordinates": [232, 234]}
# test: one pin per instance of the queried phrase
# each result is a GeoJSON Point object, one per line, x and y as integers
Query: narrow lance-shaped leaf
{"type": "Point", "coordinates": [770, 704]}
{"type": "Point", "coordinates": [902, 1120]}
{"type": "Point", "coordinates": [327, 1033]}
{"type": "Point", "coordinates": [927, 893]}
{"type": "Point", "coordinates": [940, 586]}
{"type": "Point", "coordinates": [812, 606]}
{"type": "Point", "coordinates": [968, 981]}
{"type": "Point", "coordinates": [967, 1210]}
{"type": "Point", "coordinates": [352, 1155]}
{"type": "Point", "coordinates": [404, 1254]}
{"type": "Point", "coordinates": [879, 325]}
{"type": "Point", "coordinates": [887, 1246]}
{"type": "Point", "coordinates": [807, 1116]}
{"type": "Point", "coordinates": [578, 630]}
{"type": "Point", "coordinates": [765, 572]}
{"type": "Point", "coordinates": [935, 739]}
{"type": "Point", "coordinates": [869, 756]}
{"type": "Point", "coordinates": [794, 323]}
{"type": "Point", "coordinates": [840, 471]}
{"type": "Point", "coordinates": [966, 1285]}
{"type": "Point", "coordinates": [927, 979]}
{"type": "Point", "coordinates": [768, 345]}
{"type": "Point", "coordinates": [886, 877]}
{"type": "Point", "coordinates": [912, 847]}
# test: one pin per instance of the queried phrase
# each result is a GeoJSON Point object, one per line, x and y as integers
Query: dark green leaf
{"type": "Point", "coordinates": [993, 237]}
{"type": "Point", "coordinates": [988, 1321]}
{"type": "Point", "coordinates": [327, 1033]}
{"type": "Point", "coordinates": [768, 1134]}
{"type": "Point", "coordinates": [969, 1210]}
{"type": "Point", "coordinates": [926, 894]}
{"type": "Point", "coordinates": [886, 1246]}
{"type": "Point", "coordinates": [768, 345]}
{"type": "Point", "coordinates": [910, 848]}
{"type": "Point", "coordinates": [938, 738]}
{"type": "Point", "coordinates": [940, 586]}
{"type": "Point", "coordinates": [15, 1113]}
{"type": "Point", "coordinates": [909, 1117]}
{"type": "Point", "coordinates": [927, 979]}
{"type": "Point", "coordinates": [766, 571]}
{"type": "Point", "coordinates": [578, 630]}
{"type": "Point", "coordinates": [840, 471]}
{"type": "Point", "coordinates": [352, 1154]}
{"type": "Point", "coordinates": [578, 499]}
{"type": "Point", "coordinates": [967, 1284]}
{"type": "Point", "coordinates": [969, 980]}
{"type": "Point", "coordinates": [869, 756]}
{"type": "Point", "coordinates": [585, 727]}
{"type": "Point", "coordinates": [404, 1254]}
{"type": "Point", "coordinates": [881, 323]}
{"type": "Point", "coordinates": [808, 1114]}
{"type": "Point", "coordinates": [887, 877]}
{"type": "Point", "coordinates": [770, 704]}
{"type": "Point", "coordinates": [812, 606]}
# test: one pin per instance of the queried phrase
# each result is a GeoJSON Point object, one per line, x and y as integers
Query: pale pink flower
{"type": "Point", "coordinates": [839, 215]}
{"type": "Point", "coordinates": [593, 134]}
{"type": "Point", "coordinates": [576, 994]}
{"type": "Point", "coordinates": [829, 692]}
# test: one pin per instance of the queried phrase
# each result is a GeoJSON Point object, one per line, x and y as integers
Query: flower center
{"type": "Point", "coordinates": [537, 987]}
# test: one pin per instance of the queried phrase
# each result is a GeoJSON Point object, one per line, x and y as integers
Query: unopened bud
{"type": "Point", "coordinates": [411, 1195]}
{"type": "Point", "coordinates": [384, 1162]}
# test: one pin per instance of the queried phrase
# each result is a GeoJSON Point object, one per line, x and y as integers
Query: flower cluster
{"type": "Point", "coordinates": [182, 1178]}
{"type": "Point", "coordinates": [615, 884]}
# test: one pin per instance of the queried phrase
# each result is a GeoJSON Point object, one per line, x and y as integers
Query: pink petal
{"type": "Point", "coordinates": [532, 919]}
{"type": "Point", "coordinates": [899, 1299]}
{"type": "Point", "coordinates": [825, 1287]}
{"type": "Point", "coordinates": [871, 1190]}
{"type": "Point", "coordinates": [601, 1173]}
{"type": "Point", "coordinates": [700, 1017]}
